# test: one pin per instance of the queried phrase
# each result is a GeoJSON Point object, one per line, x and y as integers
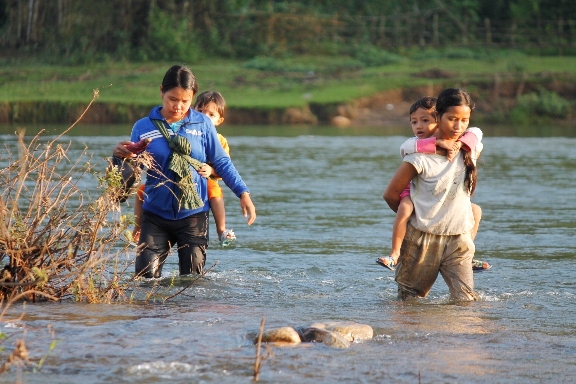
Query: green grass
{"type": "Point", "coordinates": [296, 85]}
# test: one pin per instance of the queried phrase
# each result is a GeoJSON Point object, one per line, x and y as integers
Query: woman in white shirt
{"type": "Point", "coordinates": [438, 238]}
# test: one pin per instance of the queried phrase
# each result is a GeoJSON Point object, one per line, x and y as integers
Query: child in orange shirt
{"type": "Point", "coordinates": [213, 105]}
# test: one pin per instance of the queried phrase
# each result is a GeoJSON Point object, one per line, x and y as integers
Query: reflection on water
{"type": "Point", "coordinates": [310, 257]}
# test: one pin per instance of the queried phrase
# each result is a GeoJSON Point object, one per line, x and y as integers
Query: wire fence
{"type": "Point", "coordinates": [36, 26]}
{"type": "Point", "coordinates": [423, 29]}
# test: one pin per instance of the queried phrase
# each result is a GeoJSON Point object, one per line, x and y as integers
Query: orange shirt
{"type": "Point", "coordinates": [214, 189]}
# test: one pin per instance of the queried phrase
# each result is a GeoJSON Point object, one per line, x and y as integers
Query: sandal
{"type": "Point", "coordinates": [227, 238]}
{"type": "Point", "coordinates": [390, 261]}
{"type": "Point", "coordinates": [479, 265]}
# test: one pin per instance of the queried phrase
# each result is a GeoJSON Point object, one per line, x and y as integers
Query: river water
{"type": "Point", "coordinates": [310, 257]}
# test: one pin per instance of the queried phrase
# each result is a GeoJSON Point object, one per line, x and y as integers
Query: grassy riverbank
{"type": "Point", "coordinates": [268, 87]}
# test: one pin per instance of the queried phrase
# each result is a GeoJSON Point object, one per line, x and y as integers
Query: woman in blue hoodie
{"type": "Point", "coordinates": [175, 198]}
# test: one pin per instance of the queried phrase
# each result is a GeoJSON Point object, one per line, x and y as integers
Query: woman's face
{"type": "Point", "coordinates": [176, 103]}
{"type": "Point", "coordinates": [454, 122]}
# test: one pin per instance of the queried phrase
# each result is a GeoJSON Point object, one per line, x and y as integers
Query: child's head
{"type": "Point", "coordinates": [211, 104]}
{"type": "Point", "coordinates": [423, 117]}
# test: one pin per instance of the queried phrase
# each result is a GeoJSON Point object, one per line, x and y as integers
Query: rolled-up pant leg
{"type": "Point", "coordinates": [419, 263]}
{"type": "Point", "coordinates": [456, 267]}
{"type": "Point", "coordinates": [423, 255]}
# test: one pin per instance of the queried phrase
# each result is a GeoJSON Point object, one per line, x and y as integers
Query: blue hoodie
{"type": "Point", "coordinates": [160, 194]}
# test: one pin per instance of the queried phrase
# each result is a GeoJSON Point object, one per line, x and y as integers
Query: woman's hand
{"type": "Point", "coordinates": [206, 171]}
{"type": "Point", "coordinates": [121, 151]}
{"type": "Point", "coordinates": [248, 208]}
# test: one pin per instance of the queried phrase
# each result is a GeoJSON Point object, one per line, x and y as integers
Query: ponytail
{"type": "Point", "coordinates": [471, 173]}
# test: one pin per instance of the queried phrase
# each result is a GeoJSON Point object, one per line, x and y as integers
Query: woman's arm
{"type": "Point", "coordinates": [405, 173]}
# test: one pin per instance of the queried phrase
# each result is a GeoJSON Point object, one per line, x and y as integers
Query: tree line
{"type": "Point", "coordinates": [77, 31]}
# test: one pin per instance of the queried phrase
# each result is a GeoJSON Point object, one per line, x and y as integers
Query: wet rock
{"type": "Point", "coordinates": [335, 340]}
{"type": "Point", "coordinates": [280, 335]}
{"type": "Point", "coordinates": [329, 338]}
{"type": "Point", "coordinates": [313, 335]}
{"type": "Point", "coordinates": [332, 334]}
{"type": "Point", "coordinates": [350, 331]}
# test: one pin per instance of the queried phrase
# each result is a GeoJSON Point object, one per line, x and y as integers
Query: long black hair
{"type": "Point", "coordinates": [455, 97]}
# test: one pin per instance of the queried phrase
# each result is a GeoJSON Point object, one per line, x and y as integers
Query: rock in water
{"type": "Point", "coordinates": [280, 335]}
{"type": "Point", "coordinates": [335, 340]}
{"type": "Point", "coordinates": [350, 331]}
{"type": "Point", "coordinates": [313, 335]}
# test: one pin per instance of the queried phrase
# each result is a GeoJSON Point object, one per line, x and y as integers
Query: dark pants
{"type": "Point", "coordinates": [159, 235]}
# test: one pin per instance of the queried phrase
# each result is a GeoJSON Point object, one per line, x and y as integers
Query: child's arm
{"type": "Point", "coordinates": [416, 145]}
{"type": "Point", "coordinates": [208, 171]}
{"type": "Point", "coordinates": [475, 147]}
{"type": "Point", "coordinates": [471, 138]}
{"type": "Point", "coordinates": [470, 141]}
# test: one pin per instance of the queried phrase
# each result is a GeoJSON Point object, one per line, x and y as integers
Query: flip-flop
{"type": "Point", "coordinates": [390, 264]}
{"type": "Point", "coordinates": [227, 238]}
{"type": "Point", "coordinates": [479, 265]}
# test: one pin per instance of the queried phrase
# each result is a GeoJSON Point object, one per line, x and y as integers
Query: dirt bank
{"type": "Point", "coordinates": [493, 97]}
{"type": "Point", "coordinates": [494, 100]}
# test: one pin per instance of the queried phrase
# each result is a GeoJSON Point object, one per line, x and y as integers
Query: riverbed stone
{"type": "Point", "coordinates": [313, 335]}
{"type": "Point", "coordinates": [329, 338]}
{"type": "Point", "coordinates": [335, 340]}
{"type": "Point", "coordinates": [351, 331]}
{"type": "Point", "coordinates": [280, 335]}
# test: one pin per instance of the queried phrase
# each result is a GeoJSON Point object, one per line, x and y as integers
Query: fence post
{"type": "Point", "coordinates": [513, 34]}
{"type": "Point", "coordinates": [382, 30]}
{"type": "Point", "coordinates": [560, 36]}
{"type": "Point", "coordinates": [435, 33]}
{"type": "Point", "coordinates": [488, 31]}
{"type": "Point", "coordinates": [397, 37]}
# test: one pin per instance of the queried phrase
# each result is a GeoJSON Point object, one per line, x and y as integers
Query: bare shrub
{"type": "Point", "coordinates": [58, 238]}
